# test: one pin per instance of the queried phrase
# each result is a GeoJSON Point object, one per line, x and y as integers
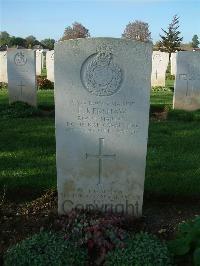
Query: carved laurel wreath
{"type": "Point", "coordinates": [102, 77]}
{"type": "Point", "coordinates": [20, 59]}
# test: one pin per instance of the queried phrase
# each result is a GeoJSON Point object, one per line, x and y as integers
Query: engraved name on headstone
{"type": "Point", "coordinates": [102, 90]}
{"type": "Point", "coordinates": [22, 76]}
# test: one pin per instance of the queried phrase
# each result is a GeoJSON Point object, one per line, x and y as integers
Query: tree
{"type": "Point", "coordinates": [76, 31]}
{"type": "Point", "coordinates": [4, 38]}
{"type": "Point", "coordinates": [48, 43]}
{"type": "Point", "coordinates": [18, 41]}
{"type": "Point", "coordinates": [171, 40]}
{"type": "Point", "coordinates": [195, 42]}
{"type": "Point", "coordinates": [137, 30]}
{"type": "Point", "coordinates": [30, 41]}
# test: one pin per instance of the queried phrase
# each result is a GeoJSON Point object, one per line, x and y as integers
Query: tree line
{"type": "Point", "coordinates": [170, 39]}
{"type": "Point", "coordinates": [29, 42]}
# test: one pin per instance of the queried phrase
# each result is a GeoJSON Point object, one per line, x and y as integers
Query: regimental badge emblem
{"type": "Point", "coordinates": [20, 59]}
{"type": "Point", "coordinates": [100, 75]}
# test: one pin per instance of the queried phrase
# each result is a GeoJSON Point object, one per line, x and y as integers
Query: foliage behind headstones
{"type": "Point", "coordinates": [137, 30]}
{"type": "Point", "coordinates": [77, 30]}
{"type": "Point", "coordinates": [171, 40]}
{"type": "Point", "coordinates": [195, 41]}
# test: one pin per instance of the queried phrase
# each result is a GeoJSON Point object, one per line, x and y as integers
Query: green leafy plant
{"type": "Point", "coordinates": [160, 89]}
{"type": "Point", "coordinates": [170, 77]}
{"type": "Point", "coordinates": [3, 86]}
{"type": "Point", "coordinates": [45, 248]}
{"type": "Point", "coordinates": [44, 83]}
{"type": "Point", "coordinates": [98, 234]}
{"type": "Point", "coordinates": [142, 249]}
{"type": "Point", "coordinates": [187, 240]}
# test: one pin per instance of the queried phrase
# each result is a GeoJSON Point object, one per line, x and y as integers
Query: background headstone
{"type": "Point", "coordinates": [187, 83]}
{"type": "Point", "coordinates": [22, 76]}
{"type": "Point", "coordinates": [173, 63]}
{"type": "Point", "coordinates": [38, 62]}
{"type": "Point", "coordinates": [160, 62]}
{"type": "Point", "coordinates": [43, 60]}
{"type": "Point", "coordinates": [3, 67]}
{"type": "Point", "coordinates": [50, 65]}
{"type": "Point", "coordinates": [102, 90]}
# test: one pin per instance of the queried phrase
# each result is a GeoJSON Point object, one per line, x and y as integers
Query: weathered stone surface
{"type": "Point", "coordinates": [3, 67]}
{"type": "Point", "coordinates": [173, 63]}
{"type": "Point", "coordinates": [160, 62]}
{"type": "Point", "coordinates": [102, 89]}
{"type": "Point", "coordinates": [187, 83]}
{"type": "Point", "coordinates": [22, 76]}
{"type": "Point", "coordinates": [50, 65]}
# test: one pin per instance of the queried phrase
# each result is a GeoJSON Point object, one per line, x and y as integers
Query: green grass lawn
{"type": "Point", "coordinates": [162, 98]}
{"type": "Point", "coordinates": [27, 151]}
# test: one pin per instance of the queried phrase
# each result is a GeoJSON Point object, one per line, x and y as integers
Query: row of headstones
{"type": "Point", "coordinates": [186, 68]}
{"type": "Point", "coordinates": [160, 62]}
{"type": "Point", "coordinates": [44, 59]}
{"type": "Point", "coordinates": [23, 66]}
{"type": "Point", "coordinates": [159, 65]}
{"type": "Point", "coordinates": [102, 99]}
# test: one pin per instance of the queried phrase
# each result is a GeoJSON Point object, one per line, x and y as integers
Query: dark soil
{"type": "Point", "coordinates": [20, 220]}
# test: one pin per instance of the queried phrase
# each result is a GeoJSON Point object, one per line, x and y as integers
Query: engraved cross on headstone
{"type": "Point", "coordinates": [21, 85]}
{"type": "Point", "coordinates": [187, 79]}
{"type": "Point", "coordinates": [156, 74]}
{"type": "Point", "coordinates": [100, 156]}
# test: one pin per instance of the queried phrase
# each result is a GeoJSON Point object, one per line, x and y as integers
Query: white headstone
{"type": "Point", "coordinates": [102, 90]}
{"type": "Point", "coordinates": [3, 67]}
{"type": "Point", "coordinates": [50, 65]}
{"type": "Point", "coordinates": [43, 59]}
{"type": "Point", "coordinates": [38, 62]}
{"type": "Point", "coordinates": [160, 62]}
{"type": "Point", "coordinates": [173, 64]}
{"type": "Point", "coordinates": [22, 76]}
{"type": "Point", "coordinates": [187, 83]}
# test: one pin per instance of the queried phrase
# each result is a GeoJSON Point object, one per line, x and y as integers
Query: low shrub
{"type": "Point", "coordinates": [19, 109]}
{"type": "Point", "coordinates": [44, 83]}
{"type": "Point", "coordinates": [187, 116]}
{"type": "Point", "coordinates": [45, 248]}
{"type": "Point", "coordinates": [187, 240]}
{"type": "Point", "coordinates": [159, 108]}
{"type": "Point", "coordinates": [98, 234]}
{"type": "Point", "coordinates": [3, 86]}
{"type": "Point", "coordinates": [160, 89]}
{"type": "Point", "coordinates": [141, 249]}
{"type": "Point", "coordinates": [170, 77]}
